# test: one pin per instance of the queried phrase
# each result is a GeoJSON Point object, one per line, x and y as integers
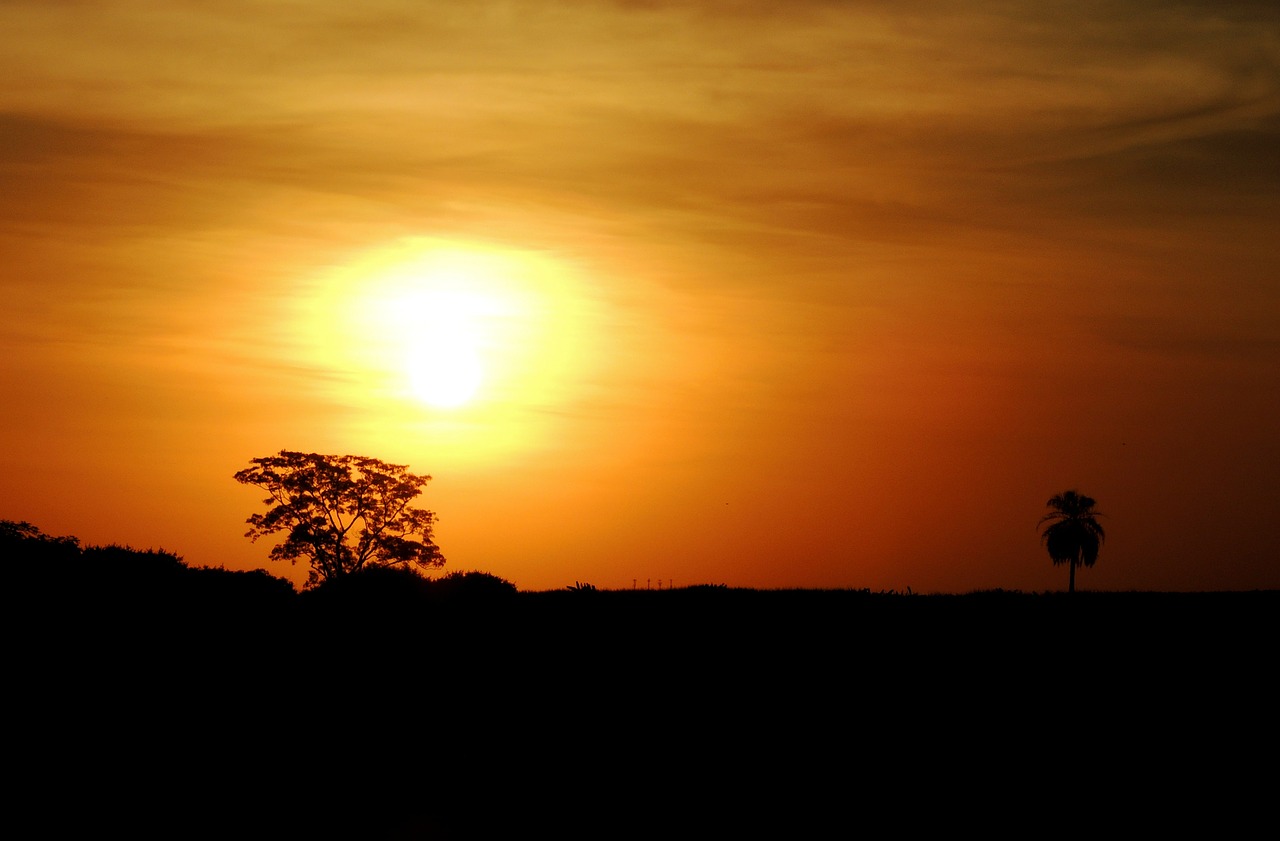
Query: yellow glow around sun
{"type": "Point", "coordinates": [477, 341]}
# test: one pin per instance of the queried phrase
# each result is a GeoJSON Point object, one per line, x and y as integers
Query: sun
{"type": "Point", "coordinates": [475, 346]}
{"type": "Point", "coordinates": [443, 372]}
{"type": "Point", "coordinates": [443, 341]}
{"type": "Point", "coordinates": [443, 317]}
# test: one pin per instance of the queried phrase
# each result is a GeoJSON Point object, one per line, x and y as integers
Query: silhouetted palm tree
{"type": "Point", "coordinates": [1073, 535]}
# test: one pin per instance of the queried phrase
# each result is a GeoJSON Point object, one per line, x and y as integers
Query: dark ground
{"type": "Point", "coordinates": [717, 713]}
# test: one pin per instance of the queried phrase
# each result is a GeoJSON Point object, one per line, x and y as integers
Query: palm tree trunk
{"type": "Point", "coordinates": [1071, 580]}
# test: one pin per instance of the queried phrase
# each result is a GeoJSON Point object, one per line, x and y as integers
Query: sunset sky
{"type": "Point", "coordinates": [769, 294]}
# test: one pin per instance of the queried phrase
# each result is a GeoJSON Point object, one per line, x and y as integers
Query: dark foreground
{"type": "Point", "coordinates": [707, 713]}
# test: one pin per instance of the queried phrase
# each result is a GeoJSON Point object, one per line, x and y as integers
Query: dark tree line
{"type": "Point", "coordinates": [58, 572]}
{"type": "Point", "coordinates": [368, 549]}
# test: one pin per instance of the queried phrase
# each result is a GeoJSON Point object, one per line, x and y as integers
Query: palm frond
{"type": "Point", "coordinates": [1070, 530]}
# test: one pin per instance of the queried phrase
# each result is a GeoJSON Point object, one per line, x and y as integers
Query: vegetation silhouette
{"type": "Point", "coordinates": [383, 704]}
{"type": "Point", "coordinates": [384, 596]}
{"type": "Point", "coordinates": [67, 578]}
{"type": "Point", "coordinates": [1071, 532]}
{"type": "Point", "coordinates": [342, 513]}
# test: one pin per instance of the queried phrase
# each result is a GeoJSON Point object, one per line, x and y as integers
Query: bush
{"type": "Point", "coordinates": [253, 589]}
{"type": "Point", "coordinates": [472, 586]}
{"type": "Point", "coordinates": [373, 588]}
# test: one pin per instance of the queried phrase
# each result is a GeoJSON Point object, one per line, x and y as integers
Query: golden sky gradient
{"type": "Point", "coordinates": [802, 294]}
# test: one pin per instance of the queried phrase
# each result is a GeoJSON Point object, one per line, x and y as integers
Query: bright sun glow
{"type": "Point", "coordinates": [443, 320]}
{"type": "Point", "coordinates": [443, 364]}
{"type": "Point", "coordinates": [477, 341]}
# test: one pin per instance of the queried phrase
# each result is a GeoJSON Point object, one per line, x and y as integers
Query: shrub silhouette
{"type": "Point", "coordinates": [371, 590]}
{"type": "Point", "coordinates": [471, 587]}
{"type": "Point", "coordinates": [256, 590]}
{"type": "Point", "coordinates": [125, 565]}
{"type": "Point", "coordinates": [34, 557]}
{"type": "Point", "coordinates": [114, 581]}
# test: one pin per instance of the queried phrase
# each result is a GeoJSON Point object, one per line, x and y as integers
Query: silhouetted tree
{"type": "Point", "coordinates": [342, 513]}
{"type": "Point", "coordinates": [1071, 532]}
{"type": "Point", "coordinates": [33, 559]}
{"type": "Point", "coordinates": [19, 534]}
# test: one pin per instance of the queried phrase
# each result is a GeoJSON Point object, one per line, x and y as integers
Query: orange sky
{"type": "Point", "coordinates": [803, 294]}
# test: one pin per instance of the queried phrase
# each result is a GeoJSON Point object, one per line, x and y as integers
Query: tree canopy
{"type": "Point", "coordinates": [342, 513]}
{"type": "Point", "coordinates": [1072, 535]}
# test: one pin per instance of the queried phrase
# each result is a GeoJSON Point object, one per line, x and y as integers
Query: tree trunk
{"type": "Point", "coordinates": [1071, 580]}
